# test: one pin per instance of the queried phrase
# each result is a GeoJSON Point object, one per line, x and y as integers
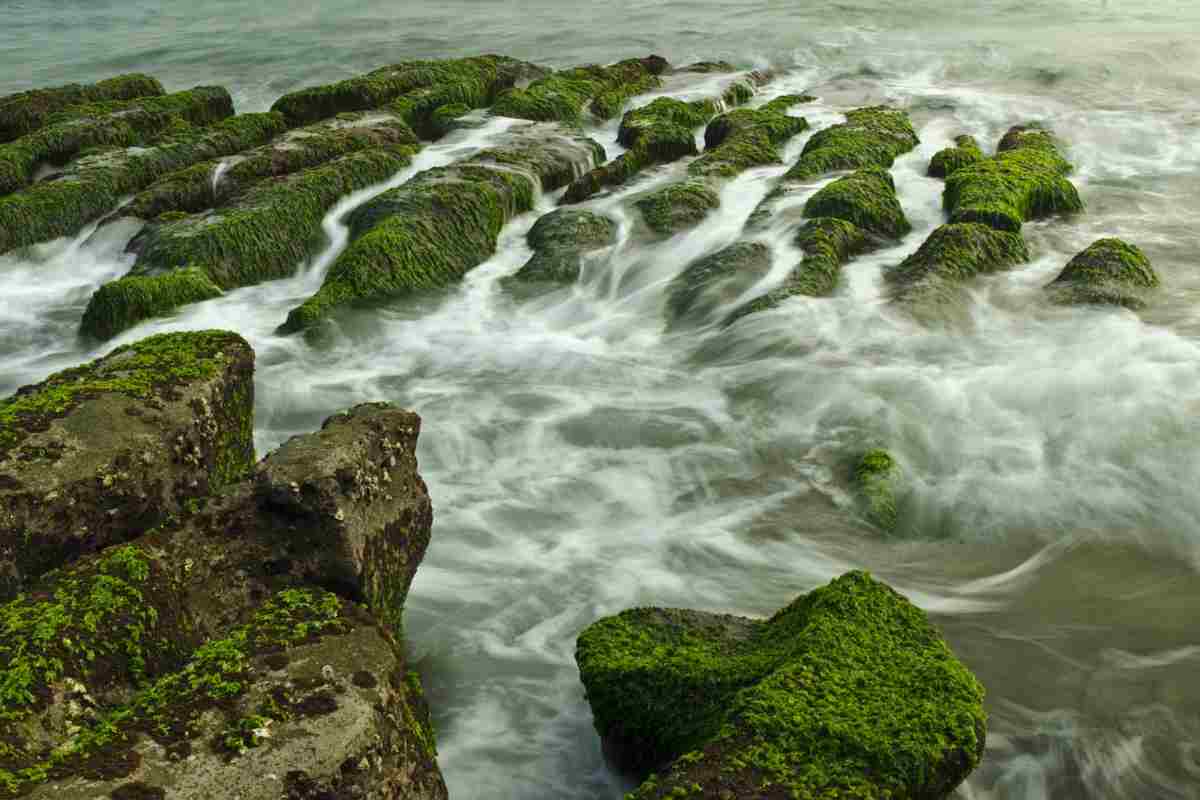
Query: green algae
{"type": "Point", "coordinates": [748, 137]}
{"type": "Point", "coordinates": [866, 198]}
{"type": "Point", "coordinates": [563, 96]}
{"type": "Point", "coordinates": [1025, 180]}
{"type": "Point", "coordinates": [678, 206]}
{"type": "Point", "coordinates": [95, 184]}
{"type": "Point", "coordinates": [123, 303]}
{"type": "Point", "coordinates": [958, 252]}
{"type": "Point", "coordinates": [872, 136]}
{"type": "Point", "coordinates": [847, 692]}
{"type": "Point", "coordinates": [716, 279]}
{"type": "Point", "coordinates": [876, 478]}
{"type": "Point", "coordinates": [26, 112]}
{"type": "Point", "coordinates": [948, 161]}
{"type": "Point", "coordinates": [1108, 272]}
{"type": "Point", "coordinates": [559, 240]}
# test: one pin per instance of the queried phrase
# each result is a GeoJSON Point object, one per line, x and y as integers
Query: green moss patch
{"type": "Point", "coordinates": [748, 137]}
{"type": "Point", "coordinates": [563, 96]}
{"type": "Point", "coordinates": [847, 692]}
{"type": "Point", "coordinates": [715, 280]}
{"type": "Point", "coordinates": [872, 136]}
{"type": "Point", "coordinates": [559, 241]}
{"type": "Point", "coordinates": [954, 254]}
{"type": "Point", "coordinates": [948, 161]}
{"type": "Point", "coordinates": [26, 112]}
{"type": "Point", "coordinates": [876, 481]}
{"type": "Point", "coordinates": [677, 207]}
{"type": "Point", "coordinates": [1108, 272]}
{"type": "Point", "coordinates": [119, 305]}
{"type": "Point", "coordinates": [866, 198]}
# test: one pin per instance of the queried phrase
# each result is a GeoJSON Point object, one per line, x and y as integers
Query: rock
{"type": "Point", "coordinates": [951, 255]}
{"type": "Point", "coordinates": [872, 136]}
{"type": "Point", "coordinates": [876, 479]}
{"type": "Point", "coordinates": [748, 137]}
{"type": "Point", "coordinates": [1108, 272]}
{"type": "Point", "coordinates": [442, 223]}
{"type": "Point", "coordinates": [560, 240]}
{"type": "Point", "coordinates": [677, 207]}
{"type": "Point", "coordinates": [260, 236]}
{"type": "Point", "coordinates": [1025, 180]}
{"type": "Point", "coordinates": [94, 184]}
{"type": "Point", "coordinates": [950, 160]}
{"type": "Point", "coordinates": [866, 198]}
{"type": "Point", "coordinates": [707, 67]}
{"type": "Point", "coordinates": [847, 692]}
{"type": "Point", "coordinates": [562, 96]}
{"type": "Point", "coordinates": [415, 89]}
{"type": "Point", "coordinates": [715, 281]}
{"type": "Point", "coordinates": [101, 453]}
{"type": "Point", "coordinates": [26, 112]}
{"type": "Point", "coordinates": [111, 124]}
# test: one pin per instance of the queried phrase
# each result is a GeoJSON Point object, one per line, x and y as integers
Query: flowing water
{"type": "Point", "coordinates": [582, 459]}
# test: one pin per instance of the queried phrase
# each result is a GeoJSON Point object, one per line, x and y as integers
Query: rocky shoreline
{"type": "Point", "coordinates": [181, 620]}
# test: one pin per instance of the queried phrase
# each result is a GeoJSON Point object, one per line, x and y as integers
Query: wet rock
{"type": "Point", "coordinates": [872, 136]}
{"type": "Point", "coordinates": [113, 124]}
{"type": "Point", "coordinates": [876, 482]}
{"type": "Point", "coordinates": [952, 255]}
{"type": "Point", "coordinates": [1108, 272]}
{"type": "Point", "coordinates": [716, 281]}
{"type": "Point", "coordinates": [101, 453]}
{"type": "Point", "coordinates": [948, 161]}
{"type": "Point", "coordinates": [26, 112]}
{"type": "Point", "coordinates": [563, 96]}
{"type": "Point", "coordinates": [94, 184]}
{"type": "Point", "coordinates": [677, 207]}
{"type": "Point", "coordinates": [748, 137]}
{"type": "Point", "coordinates": [866, 198]}
{"type": "Point", "coordinates": [560, 240]}
{"type": "Point", "coordinates": [442, 223]}
{"type": "Point", "coordinates": [1025, 180]}
{"type": "Point", "coordinates": [849, 691]}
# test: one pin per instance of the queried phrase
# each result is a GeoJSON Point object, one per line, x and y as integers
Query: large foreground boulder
{"type": "Point", "coordinates": [101, 453]}
{"type": "Point", "coordinates": [1109, 272]}
{"type": "Point", "coordinates": [849, 692]}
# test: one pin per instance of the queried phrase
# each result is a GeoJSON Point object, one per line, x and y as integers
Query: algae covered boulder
{"type": "Point", "coordinates": [748, 137]}
{"type": "Point", "coordinates": [866, 198]}
{"type": "Point", "coordinates": [876, 483]}
{"type": "Point", "coordinates": [951, 159]}
{"type": "Point", "coordinates": [872, 136]}
{"type": "Point", "coordinates": [677, 207]}
{"type": "Point", "coordinates": [715, 281]}
{"type": "Point", "coordinates": [601, 90]}
{"type": "Point", "coordinates": [99, 454]}
{"type": "Point", "coordinates": [849, 691]}
{"type": "Point", "coordinates": [560, 240]}
{"type": "Point", "coordinates": [26, 112]}
{"type": "Point", "coordinates": [1109, 272]}
{"type": "Point", "coordinates": [952, 255]}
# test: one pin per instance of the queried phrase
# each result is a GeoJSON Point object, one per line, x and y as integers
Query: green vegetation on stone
{"type": "Point", "coordinates": [1108, 272]}
{"type": "Point", "coordinates": [876, 478]}
{"type": "Point", "coordinates": [559, 241]}
{"type": "Point", "coordinates": [953, 254]}
{"type": "Point", "coordinates": [715, 280]}
{"type": "Point", "coordinates": [866, 198]}
{"type": "Point", "coordinates": [748, 137]}
{"type": "Point", "coordinates": [948, 161]}
{"type": "Point", "coordinates": [26, 112]}
{"type": "Point", "coordinates": [678, 206]}
{"type": "Point", "coordinates": [872, 136]}
{"type": "Point", "coordinates": [563, 96]}
{"type": "Point", "coordinates": [121, 304]}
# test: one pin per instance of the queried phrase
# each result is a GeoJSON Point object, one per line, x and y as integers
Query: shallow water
{"type": "Point", "coordinates": [582, 459]}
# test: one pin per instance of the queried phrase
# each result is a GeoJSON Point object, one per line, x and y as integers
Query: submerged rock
{"type": "Point", "coordinates": [26, 112]}
{"type": "Point", "coordinates": [94, 184]}
{"type": "Point", "coordinates": [563, 96]}
{"type": "Point", "coordinates": [872, 136]}
{"type": "Point", "coordinates": [101, 453]}
{"type": "Point", "coordinates": [1108, 272]}
{"type": "Point", "coordinates": [1025, 180]}
{"type": "Point", "coordinates": [677, 207]}
{"type": "Point", "coordinates": [445, 221]}
{"type": "Point", "coordinates": [876, 478]}
{"type": "Point", "coordinates": [948, 161]}
{"type": "Point", "coordinates": [748, 137]}
{"type": "Point", "coordinates": [847, 692]}
{"type": "Point", "coordinates": [952, 255]}
{"type": "Point", "coordinates": [560, 240]}
{"type": "Point", "coordinates": [715, 281]}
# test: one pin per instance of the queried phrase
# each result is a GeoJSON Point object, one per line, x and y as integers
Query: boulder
{"type": "Point", "coordinates": [560, 240]}
{"type": "Point", "coordinates": [876, 482]}
{"type": "Point", "coordinates": [26, 112]}
{"type": "Point", "coordinates": [865, 198]}
{"type": "Point", "coordinates": [1108, 272]}
{"type": "Point", "coordinates": [952, 255]}
{"type": "Point", "coordinates": [872, 136]}
{"type": "Point", "coordinates": [677, 207]}
{"type": "Point", "coordinates": [101, 453]}
{"type": "Point", "coordinates": [847, 692]}
{"type": "Point", "coordinates": [716, 281]}
{"type": "Point", "coordinates": [950, 160]}
{"type": "Point", "coordinates": [748, 137]}
{"type": "Point", "coordinates": [563, 96]}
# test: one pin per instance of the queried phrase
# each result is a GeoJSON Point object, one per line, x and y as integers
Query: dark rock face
{"type": "Point", "coordinates": [849, 692]}
{"type": "Point", "coordinates": [560, 240]}
{"type": "Point", "coordinates": [1108, 272]}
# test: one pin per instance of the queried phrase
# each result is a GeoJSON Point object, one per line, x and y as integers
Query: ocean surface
{"type": "Point", "coordinates": [583, 459]}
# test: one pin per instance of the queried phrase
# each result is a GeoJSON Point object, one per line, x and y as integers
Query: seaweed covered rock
{"type": "Point", "coordinates": [952, 255]}
{"type": "Point", "coordinates": [1109, 272]}
{"type": "Point", "coordinates": [677, 207]}
{"type": "Point", "coordinates": [262, 235]}
{"type": "Point", "coordinates": [564, 96]}
{"type": "Point", "coordinates": [112, 124]}
{"type": "Point", "coordinates": [94, 184]}
{"type": "Point", "coordinates": [101, 453]}
{"type": "Point", "coordinates": [415, 89]}
{"type": "Point", "coordinates": [876, 482]}
{"type": "Point", "coordinates": [1025, 180]}
{"type": "Point", "coordinates": [872, 136]}
{"type": "Point", "coordinates": [212, 183]}
{"type": "Point", "coordinates": [948, 161]}
{"type": "Point", "coordinates": [866, 198]}
{"type": "Point", "coordinates": [748, 137]}
{"type": "Point", "coordinates": [560, 240]}
{"type": "Point", "coordinates": [26, 112]}
{"type": "Point", "coordinates": [847, 692]}
{"type": "Point", "coordinates": [445, 221]}
{"type": "Point", "coordinates": [715, 281]}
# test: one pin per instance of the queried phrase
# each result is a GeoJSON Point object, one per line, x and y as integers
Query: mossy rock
{"type": "Point", "coordinates": [26, 112]}
{"type": "Point", "coordinates": [429, 232]}
{"type": "Point", "coordinates": [1025, 180]}
{"type": "Point", "coordinates": [560, 240]}
{"type": "Point", "coordinates": [100, 453]}
{"type": "Point", "coordinates": [715, 281]}
{"type": "Point", "coordinates": [952, 255]}
{"type": "Point", "coordinates": [948, 161]}
{"type": "Point", "coordinates": [866, 198]}
{"type": "Point", "coordinates": [111, 124]}
{"type": "Point", "coordinates": [748, 137]}
{"type": "Point", "coordinates": [877, 478]}
{"type": "Point", "coordinates": [847, 692]}
{"type": "Point", "coordinates": [564, 96]}
{"type": "Point", "coordinates": [677, 207]}
{"type": "Point", "coordinates": [95, 184]}
{"type": "Point", "coordinates": [872, 136]}
{"type": "Point", "coordinates": [1109, 272]}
